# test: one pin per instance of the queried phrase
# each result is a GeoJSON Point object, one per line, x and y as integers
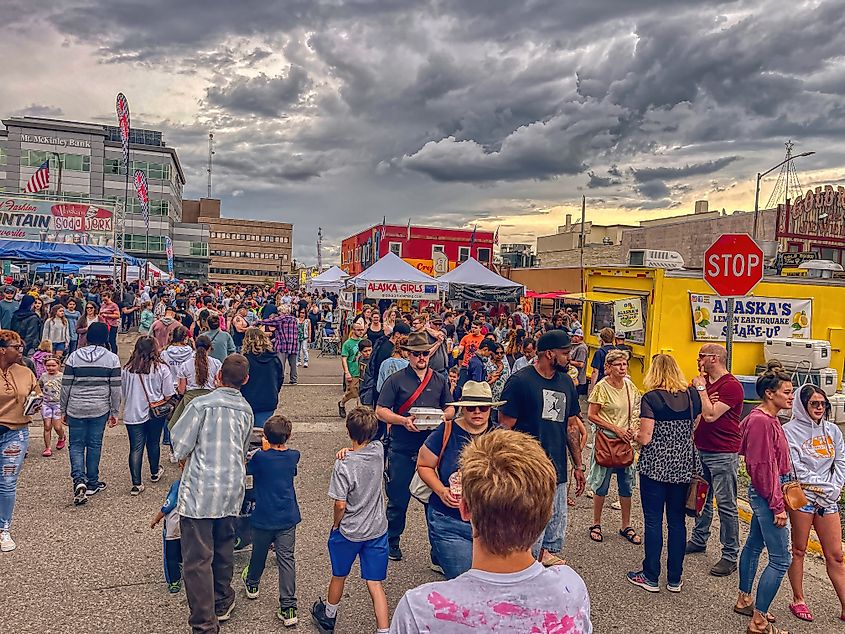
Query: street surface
{"type": "Point", "coordinates": [97, 568]}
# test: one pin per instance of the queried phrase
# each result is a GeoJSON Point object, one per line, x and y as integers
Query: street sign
{"type": "Point", "coordinates": [733, 265]}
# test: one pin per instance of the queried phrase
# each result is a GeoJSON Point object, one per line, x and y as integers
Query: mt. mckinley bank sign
{"type": "Point", "coordinates": [42, 220]}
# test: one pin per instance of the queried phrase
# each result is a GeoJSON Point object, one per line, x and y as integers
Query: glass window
{"type": "Point", "coordinates": [71, 162]}
{"type": "Point", "coordinates": [199, 248]}
{"type": "Point", "coordinates": [463, 254]}
{"type": "Point", "coordinates": [165, 171]}
{"type": "Point", "coordinates": [2, 156]}
{"type": "Point", "coordinates": [141, 165]}
{"type": "Point", "coordinates": [602, 317]}
{"type": "Point", "coordinates": [156, 171]}
{"type": "Point", "coordinates": [112, 166]}
{"type": "Point", "coordinates": [396, 248]}
{"type": "Point", "coordinates": [483, 254]}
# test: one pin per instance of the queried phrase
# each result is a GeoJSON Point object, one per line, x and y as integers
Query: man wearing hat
{"type": "Point", "coordinates": [542, 401]}
{"type": "Point", "coordinates": [8, 306]}
{"type": "Point", "coordinates": [578, 359]}
{"type": "Point", "coordinates": [417, 385]}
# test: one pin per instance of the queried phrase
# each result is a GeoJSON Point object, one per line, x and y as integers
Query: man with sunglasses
{"type": "Point", "coordinates": [395, 400]}
{"type": "Point", "coordinates": [717, 438]}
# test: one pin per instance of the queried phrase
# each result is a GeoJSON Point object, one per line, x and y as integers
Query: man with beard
{"type": "Point", "coordinates": [542, 401]}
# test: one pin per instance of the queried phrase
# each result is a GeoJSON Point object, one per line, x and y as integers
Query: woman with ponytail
{"type": "Point", "coordinates": [196, 376]}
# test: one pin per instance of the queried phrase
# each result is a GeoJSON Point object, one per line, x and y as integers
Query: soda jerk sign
{"type": "Point", "coordinates": [55, 221]}
{"type": "Point", "coordinates": [818, 215]}
{"type": "Point", "coordinates": [755, 318]}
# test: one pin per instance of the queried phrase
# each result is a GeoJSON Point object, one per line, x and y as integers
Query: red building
{"type": "Point", "coordinates": [416, 246]}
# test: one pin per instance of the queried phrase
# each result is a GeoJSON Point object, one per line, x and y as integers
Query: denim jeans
{"type": "Point", "coordinates": [554, 534]}
{"type": "Point", "coordinates": [290, 360]}
{"type": "Point", "coordinates": [451, 542]}
{"type": "Point", "coordinates": [763, 532]}
{"type": "Point", "coordinates": [13, 445]}
{"type": "Point", "coordinates": [259, 418]}
{"type": "Point", "coordinates": [400, 472]}
{"type": "Point", "coordinates": [85, 448]}
{"type": "Point", "coordinates": [657, 496]}
{"type": "Point", "coordinates": [303, 352]}
{"type": "Point", "coordinates": [284, 542]}
{"type": "Point", "coordinates": [146, 434]}
{"type": "Point", "coordinates": [720, 472]}
{"type": "Point", "coordinates": [623, 482]}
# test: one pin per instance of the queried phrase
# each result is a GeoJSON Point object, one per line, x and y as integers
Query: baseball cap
{"type": "Point", "coordinates": [553, 340]}
{"type": "Point", "coordinates": [577, 333]}
{"type": "Point", "coordinates": [402, 328]}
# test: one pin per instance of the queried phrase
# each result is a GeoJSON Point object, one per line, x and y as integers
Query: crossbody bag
{"type": "Point", "coordinates": [158, 409]}
{"type": "Point", "coordinates": [614, 453]}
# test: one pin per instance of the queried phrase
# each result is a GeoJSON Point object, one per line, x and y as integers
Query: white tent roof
{"type": "Point", "coordinates": [334, 274]}
{"type": "Point", "coordinates": [474, 273]}
{"type": "Point", "coordinates": [391, 268]}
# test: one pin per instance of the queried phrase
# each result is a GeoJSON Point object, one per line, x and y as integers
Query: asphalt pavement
{"type": "Point", "coordinates": [97, 568]}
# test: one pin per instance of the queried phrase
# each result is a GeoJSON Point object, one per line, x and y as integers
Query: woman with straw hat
{"type": "Point", "coordinates": [438, 464]}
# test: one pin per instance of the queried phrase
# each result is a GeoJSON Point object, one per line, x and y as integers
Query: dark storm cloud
{"type": "Point", "coordinates": [644, 174]}
{"type": "Point", "coordinates": [261, 95]}
{"type": "Point", "coordinates": [39, 110]}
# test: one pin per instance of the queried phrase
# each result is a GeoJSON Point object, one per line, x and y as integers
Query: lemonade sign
{"type": "Point", "coordinates": [755, 318]}
{"type": "Point", "coordinates": [628, 314]}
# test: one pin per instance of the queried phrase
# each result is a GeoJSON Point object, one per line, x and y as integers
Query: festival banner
{"type": "Point", "coordinates": [44, 220]}
{"type": "Point", "coordinates": [628, 314]}
{"type": "Point", "coordinates": [401, 290]}
{"type": "Point", "coordinates": [168, 247]}
{"type": "Point", "coordinates": [755, 318]}
{"type": "Point", "coordinates": [122, 108]}
{"type": "Point", "coordinates": [143, 192]}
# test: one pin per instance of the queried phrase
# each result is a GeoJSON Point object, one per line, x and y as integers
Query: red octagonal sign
{"type": "Point", "coordinates": [733, 265]}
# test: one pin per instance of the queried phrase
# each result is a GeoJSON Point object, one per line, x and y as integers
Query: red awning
{"type": "Point", "coordinates": [549, 295]}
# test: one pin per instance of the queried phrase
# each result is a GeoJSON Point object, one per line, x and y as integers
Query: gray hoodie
{"type": "Point", "coordinates": [818, 455]}
{"type": "Point", "coordinates": [174, 356]}
{"type": "Point", "coordinates": [91, 383]}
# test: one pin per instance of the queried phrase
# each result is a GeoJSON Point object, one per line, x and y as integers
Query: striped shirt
{"type": "Point", "coordinates": [213, 434]}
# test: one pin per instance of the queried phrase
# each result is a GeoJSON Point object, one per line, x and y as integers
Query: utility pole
{"type": "Point", "coordinates": [581, 243]}
{"type": "Point", "coordinates": [60, 163]}
{"type": "Point", "coordinates": [210, 154]}
{"type": "Point", "coordinates": [319, 249]}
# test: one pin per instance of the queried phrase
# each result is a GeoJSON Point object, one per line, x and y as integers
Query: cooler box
{"type": "Point", "coordinates": [806, 354]}
{"type": "Point", "coordinates": [825, 378]}
{"type": "Point", "coordinates": [749, 387]}
{"type": "Point", "coordinates": [837, 404]}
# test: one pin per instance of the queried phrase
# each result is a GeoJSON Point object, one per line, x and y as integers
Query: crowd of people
{"type": "Point", "coordinates": [443, 399]}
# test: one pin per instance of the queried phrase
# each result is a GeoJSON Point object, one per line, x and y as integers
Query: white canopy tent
{"type": "Point", "coordinates": [331, 280]}
{"type": "Point", "coordinates": [391, 268]}
{"type": "Point", "coordinates": [472, 281]}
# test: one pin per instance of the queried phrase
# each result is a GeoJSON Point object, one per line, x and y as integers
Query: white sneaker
{"type": "Point", "coordinates": [173, 459]}
{"type": "Point", "coordinates": [7, 544]}
{"type": "Point", "coordinates": [306, 365]}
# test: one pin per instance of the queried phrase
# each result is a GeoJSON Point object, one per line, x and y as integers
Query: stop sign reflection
{"type": "Point", "coordinates": [733, 265]}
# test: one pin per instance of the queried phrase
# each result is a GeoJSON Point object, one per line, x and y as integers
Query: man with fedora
{"type": "Point", "coordinates": [417, 385]}
{"type": "Point", "coordinates": [542, 401]}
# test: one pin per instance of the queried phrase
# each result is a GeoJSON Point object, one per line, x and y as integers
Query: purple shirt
{"type": "Point", "coordinates": [285, 333]}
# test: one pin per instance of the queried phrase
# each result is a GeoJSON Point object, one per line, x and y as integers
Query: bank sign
{"type": "Point", "coordinates": [401, 290]}
{"type": "Point", "coordinates": [55, 221]}
{"type": "Point", "coordinates": [755, 318]}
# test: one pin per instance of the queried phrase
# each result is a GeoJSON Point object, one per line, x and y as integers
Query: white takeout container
{"type": "Point", "coordinates": [426, 417]}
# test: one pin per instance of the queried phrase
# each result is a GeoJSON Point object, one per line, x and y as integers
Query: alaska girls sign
{"type": "Point", "coordinates": [755, 318]}
{"type": "Point", "coordinates": [401, 290]}
{"type": "Point", "coordinates": [55, 221]}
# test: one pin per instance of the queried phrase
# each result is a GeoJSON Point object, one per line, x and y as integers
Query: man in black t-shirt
{"type": "Point", "coordinates": [405, 438]}
{"type": "Point", "coordinates": [542, 401]}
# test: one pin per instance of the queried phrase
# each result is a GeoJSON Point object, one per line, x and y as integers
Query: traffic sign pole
{"type": "Point", "coordinates": [729, 336]}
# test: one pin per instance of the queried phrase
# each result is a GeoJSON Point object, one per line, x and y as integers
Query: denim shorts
{"type": "Point", "coordinates": [50, 410]}
{"type": "Point", "coordinates": [372, 553]}
{"type": "Point", "coordinates": [819, 510]}
{"type": "Point", "coordinates": [623, 482]}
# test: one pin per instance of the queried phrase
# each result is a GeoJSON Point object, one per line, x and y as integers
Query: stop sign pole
{"type": "Point", "coordinates": [733, 266]}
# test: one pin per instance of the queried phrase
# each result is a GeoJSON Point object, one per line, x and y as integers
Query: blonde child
{"type": "Point", "coordinates": [51, 413]}
{"type": "Point", "coordinates": [40, 356]}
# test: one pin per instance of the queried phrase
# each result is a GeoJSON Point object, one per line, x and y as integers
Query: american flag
{"type": "Point", "coordinates": [496, 237]}
{"type": "Point", "coordinates": [40, 180]}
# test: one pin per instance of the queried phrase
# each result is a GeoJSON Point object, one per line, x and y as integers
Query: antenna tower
{"type": "Point", "coordinates": [210, 154]}
{"type": "Point", "coordinates": [319, 249]}
{"type": "Point", "coordinates": [787, 187]}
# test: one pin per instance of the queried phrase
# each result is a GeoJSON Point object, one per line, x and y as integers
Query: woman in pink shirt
{"type": "Point", "coordinates": [766, 453]}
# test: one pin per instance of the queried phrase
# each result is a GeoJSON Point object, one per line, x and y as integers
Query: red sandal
{"type": "Point", "coordinates": [801, 611]}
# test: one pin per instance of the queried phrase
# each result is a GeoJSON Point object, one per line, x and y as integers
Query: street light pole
{"type": "Point", "coordinates": [757, 191]}
{"type": "Point", "coordinates": [59, 183]}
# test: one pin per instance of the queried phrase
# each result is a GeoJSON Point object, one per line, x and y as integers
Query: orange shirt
{"type": "Point", "coordinates": [470, 344]}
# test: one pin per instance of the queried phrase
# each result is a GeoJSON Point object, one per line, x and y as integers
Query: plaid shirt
{"type": "Point", "coordinates": [285, 333]}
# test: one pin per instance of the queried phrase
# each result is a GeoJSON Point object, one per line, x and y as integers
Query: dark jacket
{"type": "Point", "coordinates": [29, 326]}
{"type": "Point", "coordinates": [265, 381]}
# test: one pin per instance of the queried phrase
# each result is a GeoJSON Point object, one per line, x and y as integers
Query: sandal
{"type": "Point", "coordinates": [550, 559]}
{"type": "Point", "coordinates": [570, 502]}
{"type": "Point", "coordinates": [801, 611]}
{"type": "Point", "coordinates": [748, 611]}
{"type": "Point", "coordinates": [631, 535]}
{"type": "Point", "coordinates": [595, 533]}
{"type": "Point", "coordinates": [770, 629]}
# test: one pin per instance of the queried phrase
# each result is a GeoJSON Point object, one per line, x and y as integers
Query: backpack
{"type": "Point", "coordinates": [367, 393]}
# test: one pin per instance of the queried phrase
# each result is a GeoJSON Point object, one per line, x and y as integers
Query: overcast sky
{"type": "Point", "coordinates": [335, 113]}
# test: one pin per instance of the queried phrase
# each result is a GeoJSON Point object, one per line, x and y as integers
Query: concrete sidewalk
{"type": "Point", "coordinates": [97, 568]}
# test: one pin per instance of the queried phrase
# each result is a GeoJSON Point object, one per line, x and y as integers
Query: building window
{"type": "Point", "coordinates": [199, 249]}
{"type": "Point", "coordinates": [396, 248]}
{"type": "Point", "coordinates": [484, 255]}
{"type": "Point", "coordinates": [463, 254]}
{"type": "Point", "coordinates": [437, 248]}
{"type": "Point", "coordinates": [113, 166]}
{"type": "Point", "coordinates": [70, 162]}
{"type": "Point", "coordinates": [3, 156]}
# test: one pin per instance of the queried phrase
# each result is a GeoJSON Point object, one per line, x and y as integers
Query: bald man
{"type": "Point", "coordinates": [717, 438]}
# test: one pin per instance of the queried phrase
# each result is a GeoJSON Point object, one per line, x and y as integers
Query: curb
{"type": "Point", "coordinates": [813, 545]}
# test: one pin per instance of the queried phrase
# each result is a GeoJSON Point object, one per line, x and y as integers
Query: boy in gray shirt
{"type": "Point", "coordinates": [359, 527]}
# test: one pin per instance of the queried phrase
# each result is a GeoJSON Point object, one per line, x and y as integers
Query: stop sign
{"type": "Point", "coordinates": [733, 265]}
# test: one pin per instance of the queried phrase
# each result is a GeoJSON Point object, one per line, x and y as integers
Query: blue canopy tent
{"type": "Point", "coordinates": [58, 268]}
{"type": "Point", "coordinates": [80, 254]}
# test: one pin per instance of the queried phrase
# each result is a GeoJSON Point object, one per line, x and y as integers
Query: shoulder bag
{"type": "Point", "coordinates": [412, 399]}
{"type": "Point", "coordinates": [614, 453]}
{"type": "Point", "coordinates": [159, 409]}
{"type": "Point", "coordinates": [793, 494]}
{"type": "Point", "coordinates": [419, 489]}
{"type": "Point", "coordinates": [698, 486]}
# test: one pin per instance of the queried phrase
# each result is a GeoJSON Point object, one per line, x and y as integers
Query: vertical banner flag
{"type": "Point", "coordinates": [122, 107]}
{"type": "Point", "coordinates": [143, 195]}
{"type": "Point", "coordinates": [472, 239]}
{"type": "Point", "coordinates": [496, 237]}
{"type": "Point", "coordinates": [168, 246]}
{"type": "Point", "coordinates": [409, 229]}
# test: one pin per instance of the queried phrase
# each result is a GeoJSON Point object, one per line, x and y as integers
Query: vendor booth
{"type": "Point", "coordinates": [392, 278]}
{"type": "Point", "coordinates": [474, 282]}
{"type": "Point", "coordinates": [81, 254]}
{"type": "Point", "coordinates": [330, 281]}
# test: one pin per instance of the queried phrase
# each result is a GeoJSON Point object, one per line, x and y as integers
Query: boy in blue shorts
{"type": "Point", "coordinates": [359, 528]}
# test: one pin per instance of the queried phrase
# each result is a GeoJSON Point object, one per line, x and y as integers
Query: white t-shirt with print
{"type": "Point", "coordinates": [188, 370]}
{"type": "Point", "coordinates": [159, 384]}
{"type": "Point", "coordinates": [536, 599]}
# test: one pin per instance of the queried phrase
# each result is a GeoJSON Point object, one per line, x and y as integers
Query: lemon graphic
{"type": "Point", "coordinates": [701, 316]}
{"type": "Point", "coordinates": [799, 320]}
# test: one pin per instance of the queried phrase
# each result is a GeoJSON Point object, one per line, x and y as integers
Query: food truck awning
{"type": "Point", "coordinates": [600, 297]}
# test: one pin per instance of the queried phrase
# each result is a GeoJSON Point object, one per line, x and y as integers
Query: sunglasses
{"type": "Point", "coordinates": [817, 404]}
{"type": "Point", "coordinates": [477, 408]}
{"type": "Point", "coordinates": [419, 354]}
{"type": "Point", "coordinates": [16, 346]}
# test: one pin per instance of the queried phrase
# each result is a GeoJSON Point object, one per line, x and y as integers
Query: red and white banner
{"type": "Point", "coordinates": [143, 195]}
{"type": "Point", "coordinates": [122, 107]}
